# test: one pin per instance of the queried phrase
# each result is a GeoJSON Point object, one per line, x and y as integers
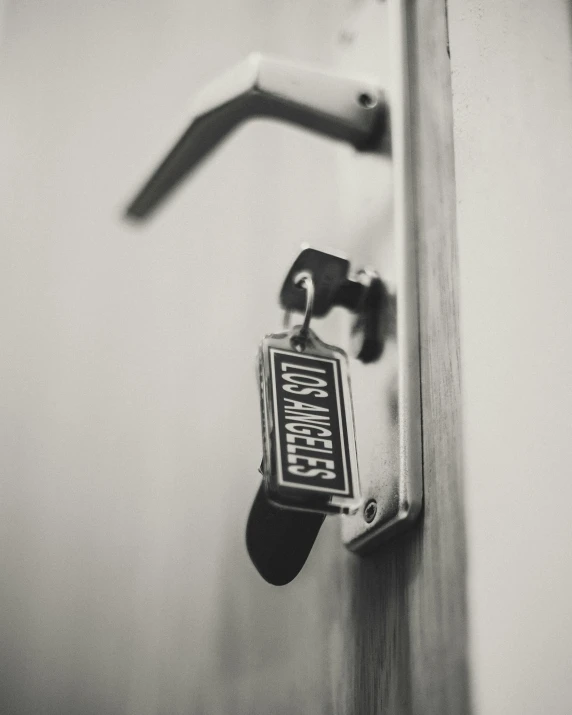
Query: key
{"type": "Point", "coordinates": [365, 295]}
{"type": "Point", "coordinates": [331, 282]}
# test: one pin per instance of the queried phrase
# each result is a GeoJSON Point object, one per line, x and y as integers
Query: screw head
{"type": "Point", "coordinates": [370, 510]}
{"type": "Point", "coordinates": [367, 100]}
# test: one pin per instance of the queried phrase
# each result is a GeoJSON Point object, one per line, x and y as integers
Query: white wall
{"type": "Point", "coordinates": [512, 87]}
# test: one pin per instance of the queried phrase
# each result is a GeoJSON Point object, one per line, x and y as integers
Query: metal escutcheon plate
{"type": "Point", "coordinates": [379, 212]}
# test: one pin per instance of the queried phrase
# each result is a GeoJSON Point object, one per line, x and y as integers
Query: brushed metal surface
{"type": "Point", "coordinates": [387, 393]}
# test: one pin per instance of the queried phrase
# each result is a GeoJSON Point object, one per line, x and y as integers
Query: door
{"type": "Point", "coordinates": [130, 423]}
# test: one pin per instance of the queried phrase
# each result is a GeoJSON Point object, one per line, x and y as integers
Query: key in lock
{"type": "Point", "coordinates": [364, 294]}
{"type": "Point", "coordinates": [309, 464]}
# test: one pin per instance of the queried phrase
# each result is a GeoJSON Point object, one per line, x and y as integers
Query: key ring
{"type": "Point", "coordinates": [304, 280]}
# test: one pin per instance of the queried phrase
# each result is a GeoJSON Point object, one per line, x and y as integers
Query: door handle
{"type": "Point", "coordinates": [342, 108]}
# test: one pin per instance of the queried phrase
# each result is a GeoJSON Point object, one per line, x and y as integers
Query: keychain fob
{"type": "Point", "coordinates": [309, 450]}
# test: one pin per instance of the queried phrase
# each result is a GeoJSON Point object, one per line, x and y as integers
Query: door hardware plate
{"type": "Point", "coordinates": [379, 211]}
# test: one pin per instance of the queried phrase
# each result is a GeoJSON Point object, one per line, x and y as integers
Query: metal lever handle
{"type": "Point", "coordinates": [339, 107]}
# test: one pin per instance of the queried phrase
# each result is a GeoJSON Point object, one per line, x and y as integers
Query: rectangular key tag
{"type": "Point", "coordinates": [309, 450]}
